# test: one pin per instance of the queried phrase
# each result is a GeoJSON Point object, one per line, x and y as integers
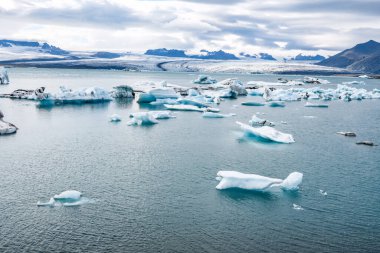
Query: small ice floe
{"type": "Point", "coordinates": [367, 143]}
{"type": "Point", "coordinates": [256, 92]}
{"type": "Point", "coordinates": [203, 79]}
{"type": "Point", "coordinates": [235, 179]}
{"type": "Point", "coordinates": [234, 85]}
{"type": "Point", "coordinates": [349, 134]}
{"type": "Point", "coordinates": [283, 122]}
{"type": "Point", "coordinates": [354, 83]}
{"type": "Point", "coordinates": [268, 133]}
{"type": "Point", "coordinates": [364, 76]}
{"type": "Point", "coordinates": [6, 127]}
{"type": "Point", "coordinates": [251, 103]}
{"type": "Point", "coordinates": [308, 104]}
{"type": "Point", "coordinates": [189, 101]}
{"type": "Point", "coordinates": [115, 118]}
{"type": "Point", "coordinates": [314, 80]}
{"type": "Point", "coordinates": [66, 198]}
{"type": "Point", "coordinates": [181, 107]}
{"type": "Point", "coordinates": [4, 79]}
{"type": "Point", "coordinates": [297, 207]}
{"type": "Point", "coordinates": [142, 118]}
{"type": "Point", "coordinates": [256, 121]}
{"type": "Point", "coordinates": [146, 98]}
{"type": "Point", "coordinates": [309, 117]}
{"type": "Point", "coordinates": [322, 192]}
{"type": "Point", "coordinates": [217, 115]}
{"type": "Point", "coordinates": [276, 104]}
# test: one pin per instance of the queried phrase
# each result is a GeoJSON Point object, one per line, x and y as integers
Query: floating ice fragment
{"type": "Point", "coordinates": [324, 193]}
{"type": "Point", "coordinates": [349, 134]}
{"type": "Point", "coordinates": [146, 98]}
{"type": "Point", "coordinates": [316, 105]}
{"type": "Point", "coordinates": [49, 203]}
{"type": "Point", "coordinates": [367, 143]}
{"type": "Point", "coordinates": [217, 115]}
{"type": "Point", "coordinates": [297, 207]}
{"type": "Point", "coordinates": [115, 118]}
{"type": "Point", "coordinates": [251, 103]}
{"type": "Point", "coordinates": [190, 108]}
{"type": "Point", "coordinates": [276, 104]}
{"type": "Point", "coordinates": [142, 118]}
{"type": "Point", "coordinates": [6, 127]}
{"type": "Point", "coordinates": [268, 133]}
{"type": "Point", "coordinates": [235, 179]}
{"type": "Point", "coordinates": [256, 121]}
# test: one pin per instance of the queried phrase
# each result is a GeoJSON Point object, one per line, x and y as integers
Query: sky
{"type": "Point", "coordinates": [279, 27]}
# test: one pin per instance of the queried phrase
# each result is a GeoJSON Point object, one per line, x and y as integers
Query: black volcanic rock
{"type": "Point", "coordinates": [362, 58]}
{"type": "Point", "coordinates": [302, 57]}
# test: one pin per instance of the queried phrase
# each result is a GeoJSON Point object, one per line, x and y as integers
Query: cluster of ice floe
{"type": "Point", "coordinates": [342, 92]}
{"type": "Point", "coordinates": [234, 179]}
{"type": "Point", "coordinates": [66, 198]}
{"type": "Point", "coordinates": [203, 79]}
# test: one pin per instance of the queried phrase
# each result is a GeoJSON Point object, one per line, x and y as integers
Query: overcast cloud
{"type": "Point", "coordinates": [279, 27]}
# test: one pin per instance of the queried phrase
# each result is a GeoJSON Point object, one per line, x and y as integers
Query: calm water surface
{"type": "Point", "coordinates": [152, 189]}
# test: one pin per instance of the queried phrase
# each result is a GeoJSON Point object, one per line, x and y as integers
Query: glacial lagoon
{"type": "Point", "coordinates": [152, 188]}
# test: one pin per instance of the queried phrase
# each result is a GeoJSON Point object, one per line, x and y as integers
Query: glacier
{"type": "Point", "coordinates": [235, 179]}
{"type": "Point", "coordinates": [267, 133]}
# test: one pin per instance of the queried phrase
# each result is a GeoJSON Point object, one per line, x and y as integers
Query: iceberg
{"type": "Point", "coordinates": [142, 118]}
{"type": "Point", "coordinates": [6, 127]}
{"type": "Point", "coordinates": [256, 92]}
{"type": "Point", "coordinates": [235, 85]}
{"type": "Point", "coordinates": [203, 79]}
{"type": "Point", "coordinates": [66, 198]}
{"type": "Point", "coordinates": [268, 133]}
{"type": "Point", "coordinates": [316, 105]}
{"type": "Point", "coordinates": [4, 79]}
{"type": "Point", "coordinates": [146, 98]}
{"type": "Point", "coordinates": [217, 115]}
{"type": "Point", "coordinates": [354, 83]}
{"type": "Point", "coordinates": [256, 121]}
{"type": "Point", "coordinates": [79, 96]}
{"type": "Point", "coordinates": [234, 179]}
{"type": "Point", "coordinates": [164, 92]}
{"type": "Point", "coordinates": [164, 101]}
{"type": "Point", "coordinates": [68, 195]}
{"type": "Point", "coordinates": [193, 101]}
{"type": "Point", "coordinates": [115, 118]}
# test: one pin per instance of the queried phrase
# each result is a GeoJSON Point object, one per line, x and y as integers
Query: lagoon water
{"type": "Point", "coordinates": [152, 189]}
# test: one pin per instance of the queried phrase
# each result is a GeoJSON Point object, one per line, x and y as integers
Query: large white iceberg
{"type": "Point", "coordinates": [268, 133]}
{"type": "Point", "coordinates": [77, 96]}
{"type": "Point", "coordinates": [4, 79]}
{"type": "Point", "coordinates": [234, 179]}
{"type": "Point", "coordinates": [68, 195]}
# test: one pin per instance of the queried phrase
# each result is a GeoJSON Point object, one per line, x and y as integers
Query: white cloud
{"type": "Point", "coordinates": [278, 27]}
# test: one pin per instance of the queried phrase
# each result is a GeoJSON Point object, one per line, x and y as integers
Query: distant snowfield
{"type": "Point", "coordinates": [25, 56]}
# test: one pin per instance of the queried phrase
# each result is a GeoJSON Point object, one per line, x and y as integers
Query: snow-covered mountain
{"type": "Point", "coordinates": [39, 54]}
